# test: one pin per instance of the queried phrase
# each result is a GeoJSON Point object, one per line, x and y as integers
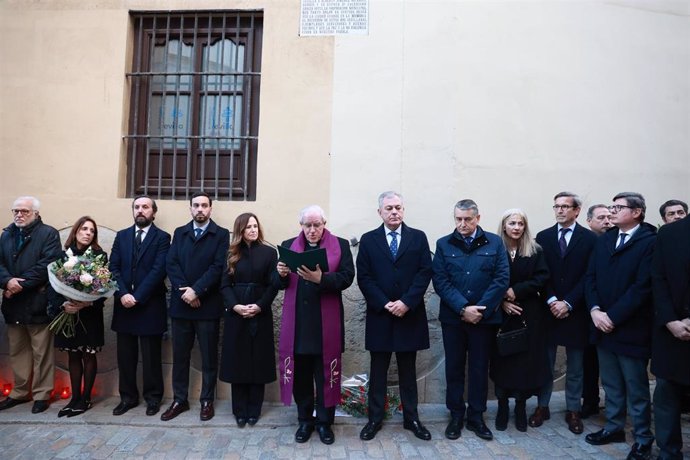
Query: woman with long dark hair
{"type": "Point", "coordinates": [88, 336]}
{"type": "Point", "coordinates": [248, 355]}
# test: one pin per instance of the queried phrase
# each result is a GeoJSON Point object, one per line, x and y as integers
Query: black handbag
{"type": "Point", "coordinates": [513, 341]}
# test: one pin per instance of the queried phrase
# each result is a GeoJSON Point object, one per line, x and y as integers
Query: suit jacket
{"type": "Point", "coordinates": [382, 279]}
{"type": "Point", "coordinates": [567, 282]}
{"type": "Point", "coordinates": [197, 263]}
{"type": "Point", "coordinates": [671, 288]}
{"type": "Point", "coordinates": [142, 276]}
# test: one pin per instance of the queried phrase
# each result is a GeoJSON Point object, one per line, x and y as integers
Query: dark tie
{"type": "Point", "coordinates": [394, 243]}
{"type": "Point", "coordinates": [197, 233]}
{"type": "Point", "coordinates": [621, 242]}
{"type": "Point", "coordinates": [140, 234]}
{"type": "Point", "coordinates": [468, 240]}
{"type": "Point", "coordinates": [562, 243]}
{"type": "Point", "coordinates": [20, 239]}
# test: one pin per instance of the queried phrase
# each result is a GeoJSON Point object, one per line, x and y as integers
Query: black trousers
{"type": "Point", "coordinates": [378, 383]}
{"type": "Point", "coordinates": [247, 399]}
{"type": "Point", "coordinates": [127, 361]}
{"type": "Point", "coordinates": [308, 377]}
{"type": "Point", "coordinates": [184, 332]}
{"type": "Point", "coordinates": [590, 377]}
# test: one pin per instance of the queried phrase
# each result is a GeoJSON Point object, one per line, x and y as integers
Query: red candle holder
{"type": "Point", "coordinates": [65, 393]}
{"type": "Point", "coordinates": [6, 389]}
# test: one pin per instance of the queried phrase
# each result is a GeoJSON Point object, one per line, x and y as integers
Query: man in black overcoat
{"type": "Point", "coordinates": [393, 272]}
{"type": "Point", "coordinates": [671, 334]}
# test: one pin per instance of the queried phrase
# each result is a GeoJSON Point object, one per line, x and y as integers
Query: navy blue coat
{"type": "Point", "coordinates": [671, 287]}
{"type": "Point", "coordinates": [197, 263]}
{"type": "Point", "coordinates": [567, 282]}
{"type": "Point", "coordinates": [144, 278]}
{"type": "Point", "coordinates": [383, 279]}
{"type": "Point", "coordinates": [619, 282]}
{"type": "Point", "coordinates": [479, 275]}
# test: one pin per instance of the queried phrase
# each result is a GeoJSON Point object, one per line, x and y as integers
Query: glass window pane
{"type": "Point", "coordinates": [221, 116]}
{"type": "Point", "coordinates": [166, 118]}
{"type": "Point", "coordinates": [175, 56]}
{"type": "Point", "coordinates": [226, 57]}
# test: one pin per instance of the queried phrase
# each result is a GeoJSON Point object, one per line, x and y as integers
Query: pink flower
{"type": "Point", "coordinates": [86, 279]}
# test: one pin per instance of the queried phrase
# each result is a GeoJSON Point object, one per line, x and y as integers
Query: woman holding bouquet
{"type": "Point", "coordinates": [248, 356]}
{"type": "Point", "coordinates": [88, 331]}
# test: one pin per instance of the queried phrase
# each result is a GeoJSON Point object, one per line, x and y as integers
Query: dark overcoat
{"type": "Point", "coordinates": [248, 348]}
{"type": "Point", "coordinates": [143, 276]}
{"type": "Point", "coordinates": [671, 287]}
{"type": "Point", "coordinates": [567, 282]}
{"type": "Point", "coordinates": [382, 279]}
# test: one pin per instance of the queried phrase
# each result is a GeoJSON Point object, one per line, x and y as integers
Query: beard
{"type": "Point", "coordinates": [142, 221]}
{"type": "Point", "coordinates": [200, 218]}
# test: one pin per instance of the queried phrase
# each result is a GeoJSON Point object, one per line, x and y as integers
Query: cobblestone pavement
{"type": "Point", "coordinates": [99, 435]}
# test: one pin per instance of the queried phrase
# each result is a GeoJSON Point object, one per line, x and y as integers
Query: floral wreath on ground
{"type": "Point", "coordinates": [354, 398]}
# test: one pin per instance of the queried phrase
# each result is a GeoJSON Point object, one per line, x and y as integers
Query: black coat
{"type": "Point", "coordinates": [619, 282]}
{"type": "Point", "coordinates": [89, 332]}
{"type": "Point", "coordinates": [308, 327]}
{"type": "Point", "coordinates": [567, 282]}
{"type": "Point", "coordinates": [144, 278]}
{"type": "Point", "coordinates": [671, 287]}
{"type": "Point", "coordinates": [526, 372]}
{"type": "Point", "coordinates": [248, 347]}
{"type": "Point", "coordinates": [41, 247]}
{"type": "Point", "coordinates": [383, 279]}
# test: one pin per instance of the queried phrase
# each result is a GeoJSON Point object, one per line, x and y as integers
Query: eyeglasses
{"type": "Point", "coordinates": [562, 207]}
{"type": "Point", "coordinates": [23, 212]}
{"type": "Point", "coordinates": [618, 207]}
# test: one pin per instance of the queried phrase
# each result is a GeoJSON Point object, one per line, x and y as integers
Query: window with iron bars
{"type": "Point", "coordinates": [194, 108]}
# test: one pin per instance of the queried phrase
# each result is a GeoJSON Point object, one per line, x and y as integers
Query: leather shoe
{"type": "Point", "coordinates": [207, 411]}
{"type": "Point", "coordinates": [480, 429]}
{"type": "Point", "coordinates": [454, 428]}
{"type": "Point", "coordinates": [326, 434]}
{"type": "Point", "coordinates": [540, 414]}
{"type": "Point", "coordinates": [175, 409]}
{"type": "Point", "coordinates": [418, 429]}
{"type": "Point", "coordinates": [241, 421]}
{"type": "Point", "coordinates": [640, 452]}
{"type": "Point", "coordinates": [9, 402]}
{"type": "Point", "coordinates": [369, 431]}
{"type": "Point", "coordinates": [39, 406]}
{"type": "Point", "coordinates": [588, 410]}
{"type": "Point", "coordinates": [574, 422]}
{"type": "Point", "coordinates": [304, 432]}
{"type": "Point", "coordinates": [602, 437]}
{"type": "Point", "coordinates": [123, 407]}
{"type": "Point", "coordinates": [251, 421]}
{"type": "Point", "coordinates": [152, 409]}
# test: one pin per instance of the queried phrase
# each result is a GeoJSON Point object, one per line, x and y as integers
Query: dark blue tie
{"type": "Point", "coordinates": [562, 243]}
{"type": "Point", "coordinates": [394, 243]}
{"type": "Point", "coordinates": [197, 233]}
{"type": "Point", "coordinates": [622, 240]}
{"type": "Point", "coordinates": [468, 240]}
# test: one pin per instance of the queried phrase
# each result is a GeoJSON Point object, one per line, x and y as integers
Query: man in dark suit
{"type": "Point", "coordinates": [393, 272]}
{"type": "Point", "coordinates": [195, 263]}
{"type": "Point", "coordinates": [139, 316]}
{"type": "Point", "coordinates": [567, 248]}
{"type": "Point", "coordinates": [671, 334]}
{"type": "Point", "coordinates": [618, 290]}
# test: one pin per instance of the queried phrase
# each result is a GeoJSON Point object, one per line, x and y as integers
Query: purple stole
{"type": "Point", "coordinates": [330, 326]}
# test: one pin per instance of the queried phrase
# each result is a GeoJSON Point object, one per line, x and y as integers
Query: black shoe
{"type": "Point", "coordinates": [39, 406]}
{"type": "Point", "coordinates": [152, 408]}
{"type": "Point", "coordinates": [369, 431]}
{"type": "Point", "coordinates": [588, 410]}
{"type": "Point", "coordinates": [418, 429]}
{"type": "Point", "coordinates": [326, 434]}
{"type": "Point", "coordinates": [68, 408]}
{"type": "Point", "coordinates": [454, 428]}
{"type": "Point", "coordinates": [480, 429]}
{"type": "Point", "coordinates": [304, 432]}
{"type": "Point", "coordinates": [241, 421]}
{"type": "Point", "coordinates": [251, 421]}
{"type": "Point", "coordinates": [520, 416]}
{"type": "Point", "coordinates": [175, 409]}
{"type": "Point", "coordinates": [123, 407]}
{"type": "Point", "coordinates": [602, 437]}
{"type": "Point", "coordinates": [9, 402]}
{"type": "Point", "coordinates": [502, 415]}
{"type": "Point", "coordinates": [80, 408]}
{"type": "Point", "coordinates": [640, 452]}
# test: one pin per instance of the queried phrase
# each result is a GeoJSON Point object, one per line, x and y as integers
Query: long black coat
{"type": "Point", "coordinates": [671, 287]}
{"type": "Point", "coordinates": [248, 349]}
{"type": "Point", "coordinates": [383, 279]}
{"type": "Point", "coordinates": [567, 282]}
{"type": "Point", "coordinates": [527, 371]}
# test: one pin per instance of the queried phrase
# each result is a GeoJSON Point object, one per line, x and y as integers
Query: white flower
{"type": "Point", "coordinates": [86, 279]}
{"type": "Point", "coordinates": [70, 263]}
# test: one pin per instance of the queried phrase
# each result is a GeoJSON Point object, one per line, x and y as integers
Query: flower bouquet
{"type": "Point", "coordinates": [354, 398]}
{"type": "Point", "coordinates": [83, 278]}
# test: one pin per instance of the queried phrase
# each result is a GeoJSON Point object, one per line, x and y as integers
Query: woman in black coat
{"type": "Point", "coordinates": [521, 375]}
{"type": "Point", "coordinates": [248, 356]}
{"type": "Point", "coordinates": [88, 332]}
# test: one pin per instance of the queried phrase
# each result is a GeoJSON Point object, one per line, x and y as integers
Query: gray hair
{"type": "Point", "coordinates": [389, 194]}
{"type": "Point", "coordinates": [590, 211]}
{"type": "Point", "coordinates": [467, 204]}
{"type": "Point", "coordinates": [634, 200]}
{"type": "Point", "coordinates": [662, 209]}
{"type": "Point", "coordinates": [311, 209]}
{"type": "Point", "coordinates": [35, 204]}
{"type": "Point", "coordinates": [576, 199]}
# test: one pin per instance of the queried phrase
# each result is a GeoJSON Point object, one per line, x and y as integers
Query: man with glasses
{"type": "Point", "coordinates": [27, 246]}
{"type": "Point", "coordinates": [567, 247]}
{"type": "Point", "coordinates": [619, 298]}
{"type": "Point", "coordinates": [673, 210]}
